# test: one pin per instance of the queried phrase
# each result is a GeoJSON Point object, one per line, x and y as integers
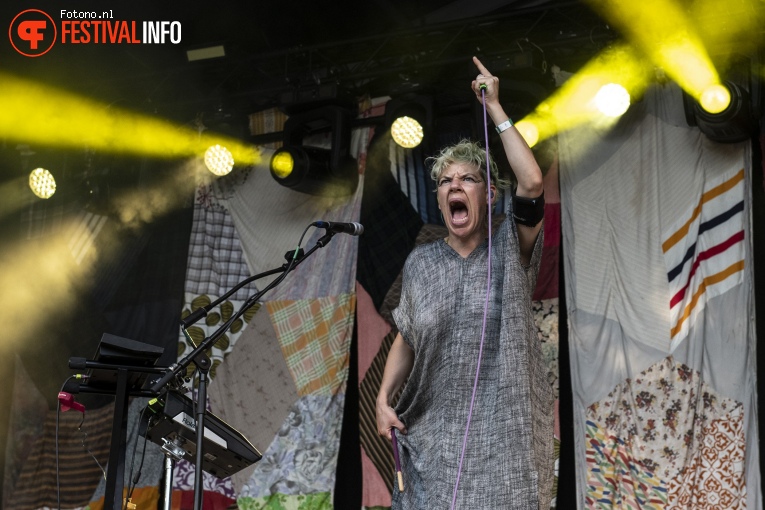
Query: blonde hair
{"type": "Point", "coordinates": [469, 152]}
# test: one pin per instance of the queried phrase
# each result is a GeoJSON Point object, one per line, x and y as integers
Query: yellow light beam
{"type": "Point", "coordinates": [47, 273]}
{"type": "Point", "coordinates": [44, 279]}
{"type": "Point", "coordinates": [35, 113]}
{"type": "Point", "coordinates": [665, 33]}
{"type": "Point", "coordinates": [136, 207]}
{"type": "Point", "coordinates": [733, 26]}
{"type": "Point", "coordinates": [573, 103]}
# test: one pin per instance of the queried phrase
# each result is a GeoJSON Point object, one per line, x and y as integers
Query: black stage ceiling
{"type": "Point", "coordinates": [277, 53]}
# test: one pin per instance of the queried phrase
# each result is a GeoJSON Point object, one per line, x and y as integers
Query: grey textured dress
{"type": "Point", "coordinates": [508, 461]}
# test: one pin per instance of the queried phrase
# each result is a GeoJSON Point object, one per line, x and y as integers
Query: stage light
{"type": "Point", "coordinates": [308, 170]}
{"type": "Point", "coordinates": [715, 98]}
{"type": "Point", "coordinates": [406, 132]}
{"type": "Point", "coordinates": [219, 160]}
{"type": "Point", "coordinates": [612, 100]}
{"type": "Point", "coordinates": [282, 163]}
{"type": "Point", "coordinates": [302, 165]}
{"type": "Point", "coordinates": [42, 183]}
{"type": "Point", "coordinates": [664, 31]}
{"type": "Point", "coordinates": [573, 104]}
{"type": "Point", "coordinates": [735, 123]}
{"type": "Point", "coordinates": [409, 117]}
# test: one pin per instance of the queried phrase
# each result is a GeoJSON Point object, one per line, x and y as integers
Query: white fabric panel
{"type": "Point", "coordinates": [622, 192]}
{"type": "Point", "coordinates": [270, 219]}
{"type": "Point", "coordinates": [640, 176]}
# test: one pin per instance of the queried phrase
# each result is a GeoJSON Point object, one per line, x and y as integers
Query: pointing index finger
{"type": "Point", "coordinates": [481, 67]}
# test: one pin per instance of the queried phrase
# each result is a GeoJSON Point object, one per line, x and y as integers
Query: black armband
{"type": "Point", "coordinates": [528, 211]}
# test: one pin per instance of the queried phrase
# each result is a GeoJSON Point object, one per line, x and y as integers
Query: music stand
{"type": "Point", "coordinates": [120, 368]}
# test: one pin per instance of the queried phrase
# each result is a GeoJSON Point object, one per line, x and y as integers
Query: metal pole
{"type": "Point", "coordinates": [167, 495]}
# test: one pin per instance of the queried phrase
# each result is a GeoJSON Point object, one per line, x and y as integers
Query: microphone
{"type": "Point", "coordinates": [353, 229]}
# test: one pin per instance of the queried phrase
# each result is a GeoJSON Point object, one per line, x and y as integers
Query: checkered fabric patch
{"type": "Point", "coordinates": [315, 337]}
{"type": "Point", "coordinates": [216, 260]}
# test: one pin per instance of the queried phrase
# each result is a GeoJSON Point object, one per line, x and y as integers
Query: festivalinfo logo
{"type": "Point", "coordinates": [34, 32]}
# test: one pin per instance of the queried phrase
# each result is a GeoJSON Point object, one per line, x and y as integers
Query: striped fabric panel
{"type": "Point", "coordinates": [378, 449]}
{"type": "Point", "coordinates": [409, 170]}
{"type": "Point", "coordinates": [268, 121]}
{"type": "Point", "coordinates": [615, 479]}
{"type": "Point", "coordinates": [315, 337]}
{"type": "Point", "coordinates": [79, 473]}
{"type": "Point", "coordinates": [704, 252]}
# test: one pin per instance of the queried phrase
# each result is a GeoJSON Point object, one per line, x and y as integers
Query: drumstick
{"type": "Point", "coordinates": [395, 458]}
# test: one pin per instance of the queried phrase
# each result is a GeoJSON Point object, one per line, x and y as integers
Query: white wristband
{"type": "Point", "coordinates": [504, 126]}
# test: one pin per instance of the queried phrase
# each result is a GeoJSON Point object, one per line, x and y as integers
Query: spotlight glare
{"type": "Point", "coordinates": [612, 100]}
{"type": "Point", "coordinates": [406, 132]}
{"type": "Point", "coordinates": [42, 183]}
{"type": "Point", "coordinates": [665, 33]}
{"type": "Point", "coordinates": [715, 98]}
{"type": "Point", "coordinates": [528, 131]}
{"type": "Point", "coordinates": [282, 164]}
{"type": "Point", "coordinates": [219, 160]}
{"type": "Point", "coordinates": [52, 117]}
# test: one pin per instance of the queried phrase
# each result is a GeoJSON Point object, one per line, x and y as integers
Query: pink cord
{"type": "Point", "coordinates": [486, 305]}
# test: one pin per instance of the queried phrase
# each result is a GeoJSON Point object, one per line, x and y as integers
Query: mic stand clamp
{"type": "Point", "coordinates": [323, 240]}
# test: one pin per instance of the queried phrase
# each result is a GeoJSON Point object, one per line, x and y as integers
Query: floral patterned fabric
{"type": "Point", "coordinates": [546, 320]}
{"type": "Point", "coordinates": [303, 457]}
{"type": "Point", "coordinates": [665, 440]}
{"type": "Point", "coordinates": [321, 501]}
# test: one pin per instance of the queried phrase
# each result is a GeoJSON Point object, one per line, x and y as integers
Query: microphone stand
{"type": "Point", "coordinates": [202, 361]}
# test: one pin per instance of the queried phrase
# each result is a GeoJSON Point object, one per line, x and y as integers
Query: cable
{"type": "Point", "coordinates": [58, 414]}
{"type": "Point", "coordinates": [486, 304]}
{"type": "Point", "coordinates": [132, 482]}
{"type": "Point", "coordinates": [66, 400]}
{"type": "Point", "coordinates": [87, 449]}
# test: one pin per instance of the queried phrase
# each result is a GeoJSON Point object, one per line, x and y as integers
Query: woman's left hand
{"type": "Point", "coordinates": [486, 79]}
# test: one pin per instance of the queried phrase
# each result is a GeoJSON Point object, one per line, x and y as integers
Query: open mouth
{"type": "Point", "coordinates": [459, 211]}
